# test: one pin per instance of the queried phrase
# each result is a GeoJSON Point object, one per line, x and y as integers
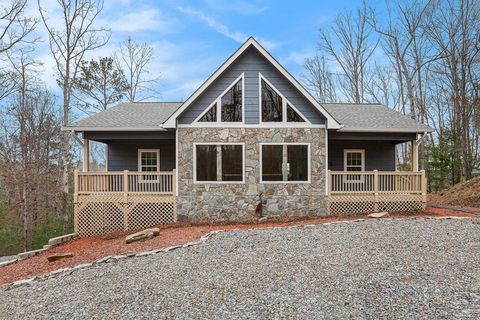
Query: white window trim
{"type": "Point", "coordinates": [195, 144]}
{"type": "Point", "coordinates": [285, 101]}
{"type": "Point", "coordinates": [346, 151]}
{"type": "Point", "coordinates": [171, 122]}
{"type": "Point", "coordinates": [218, 105]}
{"type": "Point", "coordinates": [355, 176]}
{"type": "Point", "coordinates": [309, 171]}
{"type": "Point", "coordinates": [148, 150]}
{"type": "Point", "coordinates": [141, 177]}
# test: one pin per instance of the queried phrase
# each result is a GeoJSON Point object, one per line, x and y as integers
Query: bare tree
{"type": "Point", "coordinates": [350, 43]}
{"type": "Point", "coordinates": [26, 145]}
{"type": "Point", "coordinates": [402, 42]}
{"type": "Point", "coordinates": [318, 79]}
{"type": "Point", "coordinates": [15, 28]}
{"type": "Point", "coordinates": [454, 29]}
{"type": "Point", "coordinates": [69, 42]}
{"type": "Point", "coordinates": [381, 88]}
{"type": "Point", "coordinates": [14, 25]}
{"type": "Point", "coordinates": [135, 59]}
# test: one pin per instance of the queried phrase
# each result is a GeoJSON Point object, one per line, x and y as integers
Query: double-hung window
{"type": "Point", "coordinates": [289, 162]}
{"type": "Point", "coordinates": [354, 161]}
{"type": "Point", "coordinates": [148, 161]}
{"type": "Point", "coordinates": [217, 162]}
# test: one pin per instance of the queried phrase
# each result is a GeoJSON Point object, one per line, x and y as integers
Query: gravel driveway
{"type": "Point", "coordinates": [372, 269]}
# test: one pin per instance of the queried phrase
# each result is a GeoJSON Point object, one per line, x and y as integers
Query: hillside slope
{"type": "Point", "coordinates": [466, 194]}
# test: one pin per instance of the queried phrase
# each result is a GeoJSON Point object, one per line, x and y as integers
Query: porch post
{"type": "Point", "coordinates": [125, 200]}
{"type": "Point", "coordinates": [75, 201]}
{"type": "Point", "coordinates": [375, 190]}
{"type": "Point", "coordinates": [414, 156]}
{"type": "Point", "coordinates": [86, 155]}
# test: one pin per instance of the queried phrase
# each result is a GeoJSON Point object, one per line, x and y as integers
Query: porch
{"type": "Point", "coordinates": [373, 191]}
{"type": "Point", "coordinates": [121, 201]}
{"type": "Point", "coordinates": [140, 190]}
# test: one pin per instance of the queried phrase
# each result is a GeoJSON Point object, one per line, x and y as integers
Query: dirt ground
{"type": "Point", "coordinates": [465, 194]}
{"type": "Point", "coordinates": [92, 248]}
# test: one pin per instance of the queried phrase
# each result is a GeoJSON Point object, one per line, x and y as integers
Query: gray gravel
{"type": "Point", "coordinates": [372, 269]}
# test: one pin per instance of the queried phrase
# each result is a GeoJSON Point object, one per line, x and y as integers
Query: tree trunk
{"type": "Point", "coordinates": [65, 152]}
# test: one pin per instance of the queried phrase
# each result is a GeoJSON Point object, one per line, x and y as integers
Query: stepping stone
{"type": "Point", "coordinates": [378, 215]}
{"type": "Point", "coordinates": [59, 256]}
{"type": "Point", "coordinates": [142, 235]}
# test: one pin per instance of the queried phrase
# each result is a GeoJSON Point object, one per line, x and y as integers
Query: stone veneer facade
{"type": "Point", "coordinates": [239, 202]}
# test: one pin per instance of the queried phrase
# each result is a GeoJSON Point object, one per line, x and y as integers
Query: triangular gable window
{"type": "Point", "coordinates": [292, 115]}
{"type": "Point", "coordinates": [275, 107]}
{"type": "Point", "coordinates": [210, 115]}
{"type": "Point", "coordinates": [228, 107]}
{"type": "Point", "coordinates": [231, 104]}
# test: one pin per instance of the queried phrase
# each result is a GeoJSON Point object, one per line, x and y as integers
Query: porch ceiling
{"type": "Point", "coordinates": [396, 137]}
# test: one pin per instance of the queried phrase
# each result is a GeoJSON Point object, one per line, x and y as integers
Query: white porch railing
{"type": "Point", "coordinates": [369, 191]}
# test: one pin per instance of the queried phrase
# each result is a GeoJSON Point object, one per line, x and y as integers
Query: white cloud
{"type": "Point", "coordinates": [146, 19]}
{"type": "Point", "coordinates": [212, 23]}
{"type": "Point", "coordinates": [223, 29]}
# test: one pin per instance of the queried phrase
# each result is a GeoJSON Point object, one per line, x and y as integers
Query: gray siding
{"type": "Point", "coordinates": [252, 62]}
{"type": "Point", "coordinates": [123, 154]}
{"type": "Point", "coordinates": [107, 136]}
{"type": "Point", "coordinates": [379, 155]}
{"type": "Point", "coordinates": [398, 137]}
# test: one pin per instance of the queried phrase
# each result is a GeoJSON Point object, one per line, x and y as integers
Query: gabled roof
{"type": "Point", "coordinates": [145, 116]}
{"type": "Point", "coordinates": [171, 122]}
{"type": "Point", "coordinates": [134, 116]}
{"type": "Point", "coordinates": [372, 118]}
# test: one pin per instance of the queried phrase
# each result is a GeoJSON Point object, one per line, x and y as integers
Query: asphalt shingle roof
{"type": "Point", "coordinates": [150, 115]}
{"type": "Point", "coordinates": [136, 115]}
{"type": "Point", "coordinates": [372, 117]}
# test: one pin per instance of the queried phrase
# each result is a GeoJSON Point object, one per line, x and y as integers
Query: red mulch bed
{"type": "Point", "coordinates": [92, 248]}
{"type": "Point", "coordinates": [448, 212]}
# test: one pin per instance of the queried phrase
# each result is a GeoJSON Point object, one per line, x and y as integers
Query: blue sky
{"type": "Point", "coordinates": [192, 38]}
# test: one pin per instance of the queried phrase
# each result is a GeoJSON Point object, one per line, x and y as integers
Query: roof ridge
{"type": "Point", "coordinates": [152, 102]}
{"type": "Point", "coordinates": [354, 103]}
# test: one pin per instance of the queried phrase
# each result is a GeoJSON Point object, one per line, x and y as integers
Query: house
{"type": "Point", "coordinates": [249, 142]}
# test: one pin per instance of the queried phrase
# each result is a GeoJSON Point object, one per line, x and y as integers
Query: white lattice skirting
{"type": "Point", "coordinates": [346, 204]}
{"type": "Point", "coordinates": [105, 213]}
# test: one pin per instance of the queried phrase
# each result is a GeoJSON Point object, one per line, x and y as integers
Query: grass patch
{"type": "Point", "coordinates": [10, 232]}
{"type": "Point", "coordinates": [11, 241]}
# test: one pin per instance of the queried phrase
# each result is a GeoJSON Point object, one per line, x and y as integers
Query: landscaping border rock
{"type": "Point", "coordinates": [61, 239]}
{"type": "Point", "coordinates": [53, 242]}
{"type": "Point", "coordinates": [28, 254]}
{"type": "Point", "coordinates": [7, 262]}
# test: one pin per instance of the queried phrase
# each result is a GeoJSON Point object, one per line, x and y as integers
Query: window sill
{"type": "Point", "coordinates": [285, 182]}
{"type": "Point", "coordinates": [218, 182]}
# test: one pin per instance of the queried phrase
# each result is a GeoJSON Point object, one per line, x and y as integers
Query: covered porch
{"type": "Point", "coordinates": [363, 175]}
{"type": "Point", "coordinates": [136, 191]}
